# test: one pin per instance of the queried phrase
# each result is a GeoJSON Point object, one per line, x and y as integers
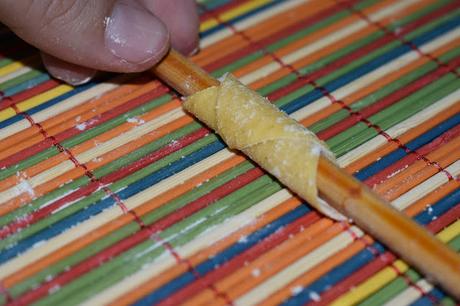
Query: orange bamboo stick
{"type": "Point", "coordinates": [261, 30]}
{"type": "Point", "coordinates": [102, 160]}
{"type": "Point", "coordinates": [120, 221]}
{"type": "Point", "coordinates": [166, 276]}
{"type": "Point", "coordinates": [374, 86]}
{"type": "Point", "coordinates": [348, 195]}
{"type": "Point", "coordinates": [431, 198]}
{"type": "Point", "coordinates": [268, 264]}
{"type": "Point", "coordinates": [57, 159]}
{"type": "Point", "coordinates": [419, 171]}
{"type": "Point", "coordinates": [30, 136]}
{"type": "Point", "coordinates": [404, 138]}
{"type": "Point", "coordinates": [325, 51]}
{"type": "Point", "coordinates": [309, 277]}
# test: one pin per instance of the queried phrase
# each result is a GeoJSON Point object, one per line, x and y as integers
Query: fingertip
{"type": "Point", "coordinates": [186, 28]}
{"type": "Point", "coordinates": [135, 35]}
{"type": "Point", "coordinates": [182, 20]}
{"type": "Point", "coordinates": [67, 72]}
{"type": "Point", "coordinates": [187, 46]}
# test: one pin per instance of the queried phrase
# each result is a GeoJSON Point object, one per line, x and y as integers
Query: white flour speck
{"type": "Point", "coordinates": [97, 159]}
{"type": "Point", "coordinates": [429, 209]}
{"type": "Point", "coordinates": [81, 126]}
{"type": "Point", "coordinates": [276, 172]}
{"type": "Point", "coordinates": [255, 272]}
{"type": "Point", "coordinates": [316, 150]}
{"type": "Point", "coordinates": [135, 120]}
{"type": "Point", "coordinates": [314, 296]}
{"type": "Point", "coordinates": [54, 289]}
{"type": "Point", "coordinates": [106, 20]}
{"type": "Point", "coordinates": [243, 239]}
{"type": "Point", "coordinates": [24, 186]}
{"type": "Point", "coordinates": [296, 290]}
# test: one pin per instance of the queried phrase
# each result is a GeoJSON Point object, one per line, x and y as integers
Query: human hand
{"type": "Point", "coordinates": [79, 37]}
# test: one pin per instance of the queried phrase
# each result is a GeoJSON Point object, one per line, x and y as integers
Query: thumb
{"type": "Point", "coordinates": [110, 35]}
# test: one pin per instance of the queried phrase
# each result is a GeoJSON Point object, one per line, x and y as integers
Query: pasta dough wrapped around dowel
{"type": "Point", "coordinates": [279, 144]}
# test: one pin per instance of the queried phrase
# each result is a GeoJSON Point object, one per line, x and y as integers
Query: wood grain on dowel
{"type": "Point", "coordinates": [348, 195]}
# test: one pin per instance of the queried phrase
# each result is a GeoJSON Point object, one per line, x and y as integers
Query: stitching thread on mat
{"type": "Point", "coordinates": [4, 97]}
{"type": "Point", "coordinates": [6, 293]}
{"type": "Point", "coordinates": [71, 157]}
{"type": "Point", "coordinates": [119, 202]}
{"type": "Point", "coordinates": [388, 32]}
{"type": "Point", "coordinates": [381, 256]}
{"type": "Point", "coordinates": [431, 57]}
{"type": "Point", "coordinates": [361, 118]}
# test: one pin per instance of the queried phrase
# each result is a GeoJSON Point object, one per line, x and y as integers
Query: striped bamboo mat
{"type": "Point", "coordinates": [111, 194]}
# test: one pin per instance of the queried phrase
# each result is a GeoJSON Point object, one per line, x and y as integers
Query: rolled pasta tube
{"type": "Point", "coordinates": [279, 144]}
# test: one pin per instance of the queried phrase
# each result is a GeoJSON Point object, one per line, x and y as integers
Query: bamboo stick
{"type": "Point", "coordinates": [348, 195]}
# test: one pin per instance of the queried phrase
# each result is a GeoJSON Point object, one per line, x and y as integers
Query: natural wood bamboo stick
{"type": "Point", "coordinates": [348, 195]}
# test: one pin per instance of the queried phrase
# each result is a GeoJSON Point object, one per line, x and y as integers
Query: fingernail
{"type": "Point", "coordinates": [133, 34]}
{"type": "Point", "coordinates": [67, 72]}
{"type": "Point", "coordinates": [73, 78]}
{"type": "Point", "coordinates": [76, 82]}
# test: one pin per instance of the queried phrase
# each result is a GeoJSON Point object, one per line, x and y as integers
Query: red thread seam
{"type": "Point", "coordinates": [431, 57]}
{"type": "Point", "coordinates": [179, 259]}
{"type": "Point", "coordinates": [361, 118]}
{"type": "Point", "coordinates": [406, 42]}
{"type": "Point", "coordinates": [191, 268]}
{"type": "Point", "coordinates": [389, 263]}
{"type": "Point", "coordinates": [5, 292]}
{"type": "Point", "coordinates": [381, 132]}
{"type": "Point", "coordinates": [71, 157]}
{"type": "Point", "coordinates": [4, 97]}
{"type": "Point", "coordinates": [118, 201]}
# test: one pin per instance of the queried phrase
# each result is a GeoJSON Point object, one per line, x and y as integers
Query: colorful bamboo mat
{"type": "Point", "coordinates": [111, 194]}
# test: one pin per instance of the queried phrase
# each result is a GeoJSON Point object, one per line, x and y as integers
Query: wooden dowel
{"type": "Point", "coordinates": [348, 195]}
{"type": "Point", "coordinates": [183, 75]}
{"type": "Point", "coordinates": [397, 231]}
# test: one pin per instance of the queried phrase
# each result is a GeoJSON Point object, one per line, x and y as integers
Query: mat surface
{"type": "Point", "coordinates": [111, 194]}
